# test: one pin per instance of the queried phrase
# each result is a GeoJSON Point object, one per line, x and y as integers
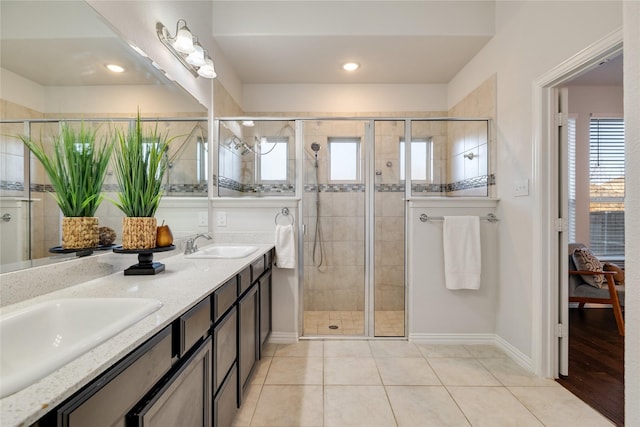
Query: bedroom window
{"type": "Point", "coordinates": [606, 186]}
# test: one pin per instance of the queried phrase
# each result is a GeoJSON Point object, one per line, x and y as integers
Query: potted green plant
{"type": "Point", "coordinates": [76, 168]}
{"type": "Point", "coordinates": [140, 162]}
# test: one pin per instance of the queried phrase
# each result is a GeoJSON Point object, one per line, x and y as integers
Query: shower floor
{"type": "Point", "coordinates": [351, 323]}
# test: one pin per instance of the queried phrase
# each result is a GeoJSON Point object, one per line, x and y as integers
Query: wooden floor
{"type": "Point", "coordinates": [596, 361]}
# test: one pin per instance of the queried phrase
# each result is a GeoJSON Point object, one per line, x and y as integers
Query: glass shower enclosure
{"type": "Point", "coordinates": [353, 177]}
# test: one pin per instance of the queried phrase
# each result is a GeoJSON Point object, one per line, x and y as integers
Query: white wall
{"type": "Point", "coordinates": [631, 34]}
{"type": "Point", "coordinates": [104, 100]}
{"type": "Point", "coordinates": [585, 100]}
{"type": "Point", "coordinates": [344, 98]}
{"type": "Point", "coordinates": [531, 38]}
{"type": "Point", "coordinates": [438, 314]}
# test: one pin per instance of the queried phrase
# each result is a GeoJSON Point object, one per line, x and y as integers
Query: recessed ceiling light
{"type": "Point", "coordinates": [350, 66]}
{"type": "Point", "coordinates": [115, 68]}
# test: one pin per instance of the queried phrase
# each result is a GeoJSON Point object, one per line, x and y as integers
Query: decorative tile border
{"type": "Point", "coordinates": [477, 182]}
{"type": "Point", "coordinates": [112, 188]}
{"type": "Point", "coordinates": [231, 184]}
{"type": "Point", "coordinates": [11, 186]}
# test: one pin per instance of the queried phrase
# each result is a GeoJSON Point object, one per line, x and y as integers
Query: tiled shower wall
{"type": "Point", "coordinates": [472, 138]}
{"type": "Point", "coordinates": [338, 283]}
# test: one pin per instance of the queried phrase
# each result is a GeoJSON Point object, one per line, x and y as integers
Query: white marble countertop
{"type": "Point", "coordinates": [183, 283]}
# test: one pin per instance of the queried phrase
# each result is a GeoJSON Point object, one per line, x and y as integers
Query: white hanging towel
{"type": "Point", "coordinates": [461, 242]}
{"type": "Point", "coordinates": [285, 247]}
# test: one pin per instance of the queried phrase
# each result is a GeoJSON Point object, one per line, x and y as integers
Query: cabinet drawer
{"type": "Point", "coordinates": [245, 280]}
{"type": "Point", "coordinates": [183, 398]}
{"type": "Point", "coordinates": [225, 345]}
{"type": "Point", "coordinates": [224, 297]}
{"type": "Point", "coordinates": [225, 405]}
{"type": "Point", "coordinates": [257, 268]}
{"type": "Point", "coordinates": [108, 399]}
{"type": "Point", "coordinates": [195, 324]}
{"type": "Point", "coordinates": [268, 259]}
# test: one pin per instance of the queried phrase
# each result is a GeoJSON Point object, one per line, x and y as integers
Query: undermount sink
{"type": "Point", "coordinates": [223, 251]}
{"type": "Point", "coordinates": [37, 340]}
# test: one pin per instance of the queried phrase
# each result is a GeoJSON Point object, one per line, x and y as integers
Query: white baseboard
{"type": "Point", "coordinates": [461, 339]}
{"type": "Point", "coordinates": [283, 337]}
{"type": "Point", "coordinates": [519, 357]}
{"type": "Point", "coordinates": [452, 338]}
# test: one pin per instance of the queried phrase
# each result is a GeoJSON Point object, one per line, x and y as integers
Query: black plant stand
{"type": "Point", "coordinates": [145, 265]}
{"type": "Point", "coordinates": [79, 252]}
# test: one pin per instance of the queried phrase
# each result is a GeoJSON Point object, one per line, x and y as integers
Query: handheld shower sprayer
{"type": "Point", "coordinates": [315, 147]}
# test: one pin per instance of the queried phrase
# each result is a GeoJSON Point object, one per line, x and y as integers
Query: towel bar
{"type": "Point", "coordinates": [424, 218]}
{"type": "Point", "coordinates": [284, 212]}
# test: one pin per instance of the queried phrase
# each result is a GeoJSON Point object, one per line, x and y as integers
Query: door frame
{"type": "Point", "coordinates": [547, 261]}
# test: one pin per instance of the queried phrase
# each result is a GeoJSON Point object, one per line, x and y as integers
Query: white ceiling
{"type": "Point", "coordinates": [65, 44]}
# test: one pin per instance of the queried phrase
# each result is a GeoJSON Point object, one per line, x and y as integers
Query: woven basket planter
{"type": "Point", "coordinates": [80, 232]}
{"type": "Point", "coordinates": [139, 232]}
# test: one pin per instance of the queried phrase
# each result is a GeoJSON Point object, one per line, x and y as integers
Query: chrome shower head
{"type": "Point", "coordinates": [315, 147]}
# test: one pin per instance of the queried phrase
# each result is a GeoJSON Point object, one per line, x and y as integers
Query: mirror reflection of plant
{"type": "Point", "coordinates": [139, 165]}
{"type": "Point", "coordinates": [76, 168]}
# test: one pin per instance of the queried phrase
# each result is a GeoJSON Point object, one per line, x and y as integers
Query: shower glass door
{"type": "Point", "coordinates": [353, 203]}
{"type": "Point", "coordinates": [334, 291]}
{"type": "Point", "coordinates": [389, 229]}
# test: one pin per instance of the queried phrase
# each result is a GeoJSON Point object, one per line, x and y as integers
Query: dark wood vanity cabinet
{"type": "Point", "coordinates": [248, 337]}
{"type": "Point", "coordinates": [193, 373]}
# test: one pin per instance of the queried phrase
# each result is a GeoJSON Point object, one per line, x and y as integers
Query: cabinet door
{"type": "Point", "coordinates": [248, 337]}
{"type": "Point", "coordinates": [184, 396]}
{"type": "Point", "coordinates": [225, 345]}
{"type": "Point", "coordinates": [225, 405]}
{"type": "Point", "coordinates": [265, 308]}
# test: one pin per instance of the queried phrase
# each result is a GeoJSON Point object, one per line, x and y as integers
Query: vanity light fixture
{"type": "Point", "coordinates": [186, 48]}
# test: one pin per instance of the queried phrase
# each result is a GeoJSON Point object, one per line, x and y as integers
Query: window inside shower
{"type": "Point", "coordinates": [421, 160]}
{"type": "Point", "coordinates": [271, 163]}
{"type": "Point", "coordinates": [344, 159]}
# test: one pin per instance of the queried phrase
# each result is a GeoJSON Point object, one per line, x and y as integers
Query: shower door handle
{"type": "Point", "coordinates": [6, 217]}
{"type": "Point", "coordinates": [304, 229]}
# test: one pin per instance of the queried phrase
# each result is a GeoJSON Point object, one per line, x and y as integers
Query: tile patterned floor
{"type": "Point", "coordinates": [397, 383]}
{"type": "Point", "coordinates": [387, 323]}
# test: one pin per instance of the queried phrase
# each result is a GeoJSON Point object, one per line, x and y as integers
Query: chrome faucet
{"type": "Point", "coordinates": [190, 244]}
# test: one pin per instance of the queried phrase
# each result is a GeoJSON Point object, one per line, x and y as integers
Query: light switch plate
{"type": "Point", "coordinates": [521, 188]}
{"type": "Point", "coordinates": [202, 219]}
{"type": "Point", "coordinates": [221, 219]}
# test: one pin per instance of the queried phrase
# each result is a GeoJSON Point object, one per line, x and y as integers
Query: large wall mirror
{"type": "Point", "coordinates": [53, 69]}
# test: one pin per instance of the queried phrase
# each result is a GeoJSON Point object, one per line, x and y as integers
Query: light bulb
{"type": "Point", "coordinates": [184, 40]}
{"type": "Point", "coordinates": [207, 70]}
{"type": "Point", "coordinates": [196, 58]}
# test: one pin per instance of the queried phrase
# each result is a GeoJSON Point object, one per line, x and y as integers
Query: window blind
{"type": "Point", "coordinates": [571, 153]}
{"type": "Point", "coordinates": [606, 186]}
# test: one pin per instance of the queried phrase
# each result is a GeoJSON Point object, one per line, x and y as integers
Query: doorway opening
{"type": "Point", "coordinates": [553, 201]}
